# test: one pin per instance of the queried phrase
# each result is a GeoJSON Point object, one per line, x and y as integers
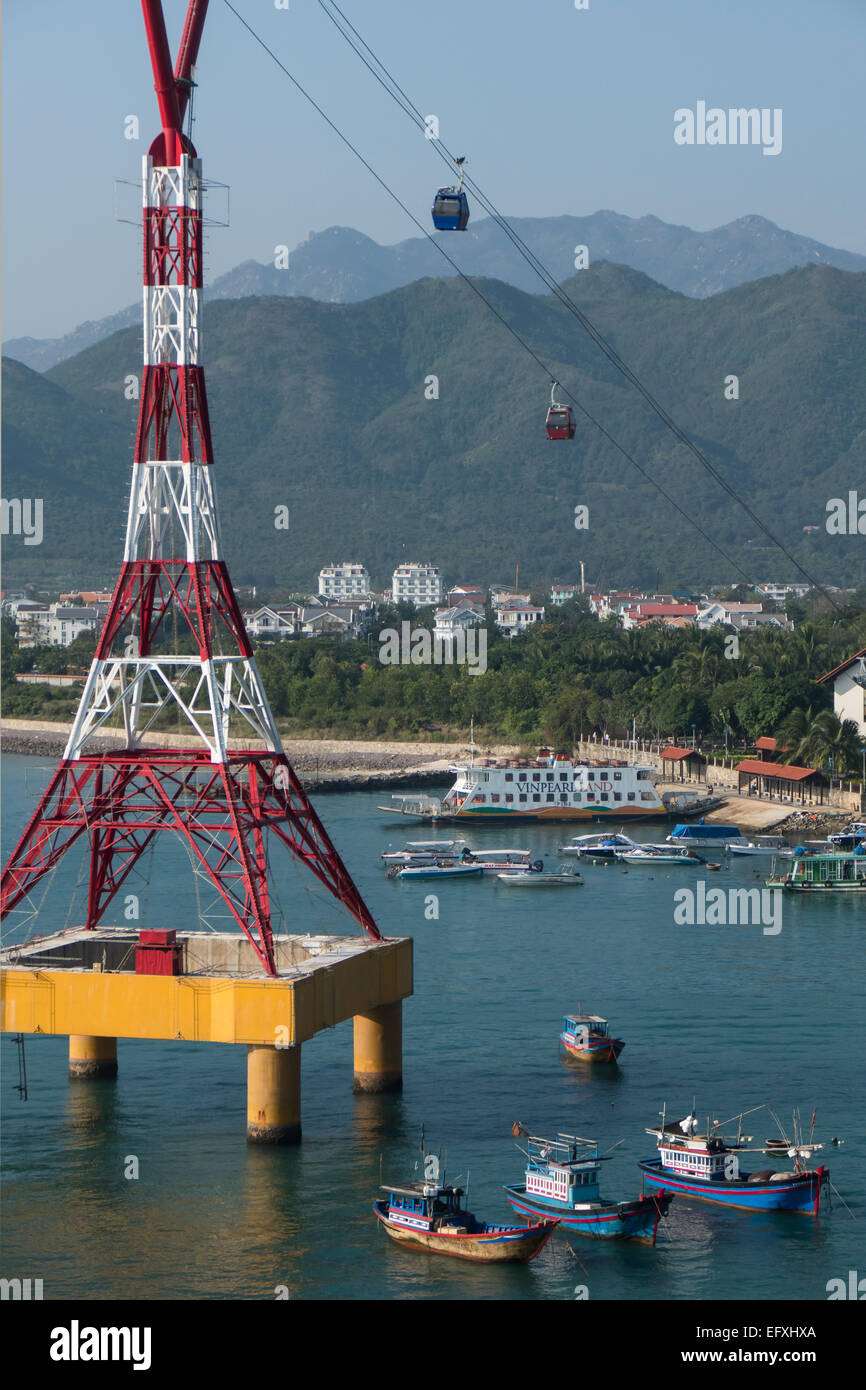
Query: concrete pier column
{"type": "Point", "coordinates": [379, 1049]}
{"type": "Point", "coordinates": [92, 1057]}
{"type": "Point", "coordinates": [273, 1095]}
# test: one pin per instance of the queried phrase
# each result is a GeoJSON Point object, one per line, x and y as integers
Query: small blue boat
{"type": "Point", "coordinates": [706, 1168]}
{"type": "Point", "coordinates": [562, 1183]}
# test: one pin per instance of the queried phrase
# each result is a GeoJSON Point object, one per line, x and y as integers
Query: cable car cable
{"type": "Point", "coordinates": [463, 276]}
{"type": "Point", "coordinates": [408, 107]}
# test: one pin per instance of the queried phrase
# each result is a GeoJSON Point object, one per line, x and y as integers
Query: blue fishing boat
{"type": "Point", "coordinates": [429, 1214]}
{"type": "Point", "coordinates": [706, 1168]}
{"type": "Point", "coordinates": [561, 1182]}
{"type": "Point", "coordinates": [586, 1037]}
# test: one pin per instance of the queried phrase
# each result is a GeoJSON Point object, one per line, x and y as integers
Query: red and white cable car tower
{"type": "Point", "coordinates": [222, 801]}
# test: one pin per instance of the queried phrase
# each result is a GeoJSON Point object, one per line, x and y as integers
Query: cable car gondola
{"type": "Point", "coordinates": [560, 422]}
{"type": "Point", "coordinates": [451, 206]}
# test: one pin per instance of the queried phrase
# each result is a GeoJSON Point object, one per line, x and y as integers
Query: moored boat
{"type": "Point", "coordinates": [705, 1167]}
{"type": "Point", "coordinates": [537, 878]}
{"type": "Point", "coordinates": [586, 1037]}
{"type": "Point", "coordinates": [604, 846]}
{"type": "Point", "coordinates": [817, 872]}
{"type": "Point", "coordinates": [430, 1214]}
{"type": "Point", "coordinates": [561, 1182]}
{"type": "Point", "coordinates": [762, 844]}
{"type": "Point", "coordinates": [438, 870]}
{"type": "Point", "coordinates": [705, 836]}
{"type": "Point", "coordinates": [654, 854]}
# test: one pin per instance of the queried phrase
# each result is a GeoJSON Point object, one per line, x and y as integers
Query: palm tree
{"type": "Point", "coordinates": [829, 742]}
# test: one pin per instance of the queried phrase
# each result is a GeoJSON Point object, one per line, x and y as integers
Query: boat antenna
{"type": "Point", "coordinates": [614, 1146]}
{"type": "Point", "coordinates": [472, 747]}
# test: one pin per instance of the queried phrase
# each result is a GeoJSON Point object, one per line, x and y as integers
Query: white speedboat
{"type": "Point", "coordinates": [763, 844]}
{"type": "Point", "coordinates": [650, 854]}
{"type": "Point", "coordinates": [440, 870]}
{"type": "Point", "coordinates": [604, 846]}
{"type": "Point", "coordinates": [536, 878]}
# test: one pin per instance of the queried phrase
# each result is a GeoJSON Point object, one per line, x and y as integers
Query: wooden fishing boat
{"type": "Point", "coordinates": [706, 1168]}
{"type": "Point", "coordinates": [586, 1037]}
{"type": "Point", "coordinates": [561, 1182]}
{"type": "Point", "coordinates": [430, 1215]}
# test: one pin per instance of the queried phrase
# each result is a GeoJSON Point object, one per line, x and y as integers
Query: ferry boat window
{"type": "Point", "coordinates": [495, 796]}
{"type": "Point", "coordinates": [617, 776]}
{"type": "Point", "coordinates": [590, 777]}
{"type": "Point", "coordinates": [550, 796]}
{"type": "Point", "coordinates": [603, 796]}
{"type": "Point", "coordinates": [536, 797]}
{"type": "Point", "coordinates": [509, 776]}
{"type": "Point", "coordinates": [563, 776]}
{"type": "Point", "coordinates": [617, 796]}
{"type": "Point", "coordinates": [590, 796]}
{"type": "Point", "coordinates": [486, 776]}
{"type": "Point", "coordinates": [564, 798]}
{"type": "Point", "coordinates": [647, 796]}
{"type": "Point", "coordinates": [509, 797]}
{"type": "Point", "coordinates": [536, 776]}
{"type": "Point", "coordinates": [548, 776]}
{"type": "Point", "coordinates": [642, 776]}
{"type": "Point", "coordinates": [479, 797]}
{"type": "Point", "coordinates": [521, 776]}
{"type": "Point", "coordinates": [522, 796]}
{"type": "Point", "coordinates": [631, 796]}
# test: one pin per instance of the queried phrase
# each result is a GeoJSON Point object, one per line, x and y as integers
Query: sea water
{"type": "Point", "coordinates": [729, 1015]}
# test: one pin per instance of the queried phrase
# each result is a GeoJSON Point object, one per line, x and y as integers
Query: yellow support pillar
{"type": "Point", "coordinates": [92, 1057]}
{"type": "Point", "coordinates": [273, 1095]}
{"type": "Point", "coordinates": [379, 1049]}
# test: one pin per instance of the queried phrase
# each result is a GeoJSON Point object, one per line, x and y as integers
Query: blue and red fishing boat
{"type": "Point", "coordinates": [429, 1214]}
{"type": "Point", "coordinates": [561, 1183]}
{"type": "Point", "coordinates": [586, 1037]}
{"type": "Point", "coordinates": [705, 1167]}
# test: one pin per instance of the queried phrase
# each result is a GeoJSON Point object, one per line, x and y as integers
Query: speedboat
{"type": "Point", "coordinates": [598, 846]}
{"type": "Point", "coordinates": [535, 877]}
{"type": "Point", "coordinates": [449, 870]}
{"type": "Point", "coordinates": [763, 844]}
{"type": "Point", "coordinates": [654, 854]}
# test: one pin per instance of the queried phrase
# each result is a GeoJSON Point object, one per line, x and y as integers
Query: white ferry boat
{"type": "Point", "coordinates": [547, 788]}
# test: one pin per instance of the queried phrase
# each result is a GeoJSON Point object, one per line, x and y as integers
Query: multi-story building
{"type": "Point", "coordinates": [418, 584]}
{"type": "Point", "coordinates": [515, 615]}
{"type": "Point", "coordinates": [344, 581]}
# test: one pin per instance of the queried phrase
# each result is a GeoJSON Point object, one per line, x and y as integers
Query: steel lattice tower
{"type": "Point", "coordinates": [223, 802]}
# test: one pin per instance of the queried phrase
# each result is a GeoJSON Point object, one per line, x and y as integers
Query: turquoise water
{"type": "Point", "coordinates": [727, 1014]}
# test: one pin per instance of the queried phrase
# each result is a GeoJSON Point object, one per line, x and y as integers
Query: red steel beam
{"type": "Point", "coordinates": [163, 79]}
{"type": "Point", "coordinates": [188, 51]}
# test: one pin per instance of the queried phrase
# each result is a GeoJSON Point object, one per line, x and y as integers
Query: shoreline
{"type": "Point", "coordinates": [339, 765]}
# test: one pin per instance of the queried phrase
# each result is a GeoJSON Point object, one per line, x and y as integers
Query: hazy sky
{"type": "Point", "coordinates": [559, 111]}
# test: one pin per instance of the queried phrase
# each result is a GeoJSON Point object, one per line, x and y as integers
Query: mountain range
{"type": "Point", "coordinates": [329, 409]}
{"type": "Point", "coordinates": [342, 266]}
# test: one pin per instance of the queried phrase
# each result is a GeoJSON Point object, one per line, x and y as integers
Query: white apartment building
{"type": "Point", "coordinates": [418, 584]}
{"type": "Point", "coordinates": [516, 615]}
{"type": "Point", "coordinates": [344, 581]}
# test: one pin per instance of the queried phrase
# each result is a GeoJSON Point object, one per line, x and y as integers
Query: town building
{"type": "Point", "coordinates": [563, 593]}
{"type": "Point", "coordinates": [450, 621]}
{"type": "Point", "coordinates": [344, 581]}
{"type": "Point", "coordinates": [515, 615]}
{"type": "Point", "coordinates": [848, 683]}
{"type": "Point", "coordinates": [418, 584]}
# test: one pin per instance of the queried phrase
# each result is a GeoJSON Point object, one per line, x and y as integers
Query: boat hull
{"type": "Point", "coordinates": [556, 813]}
{"type": "Point", "coordinates": [637, 1221]}
{"type": "Point", "coordinates": [594, 1050]}
{"type": "Point", "coordinates": [489, 1245]}
{"type": "Point", "coordinates": [799, 1193]}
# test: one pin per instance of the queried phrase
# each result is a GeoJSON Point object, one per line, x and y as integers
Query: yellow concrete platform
{"type": "Point", "coordinates": [85, 983]}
